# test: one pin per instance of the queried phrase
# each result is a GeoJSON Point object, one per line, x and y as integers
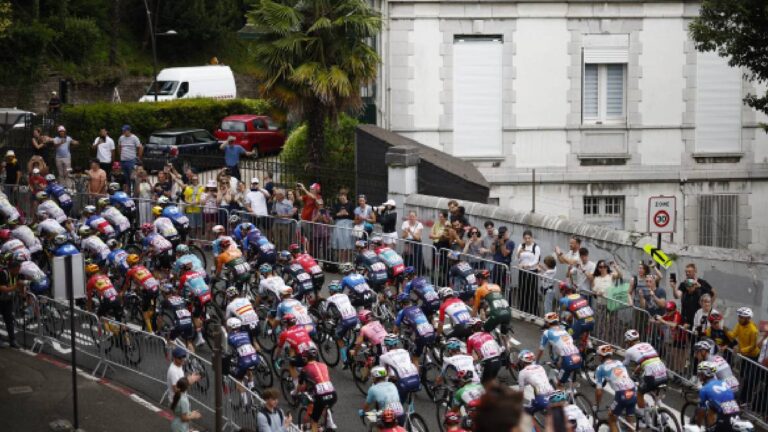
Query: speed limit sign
{"type": "Point", "coordinates": [662, 212]}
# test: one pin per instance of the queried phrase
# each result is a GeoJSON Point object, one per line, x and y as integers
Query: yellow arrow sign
{"type": "Point", "coordinates": [658, 255]}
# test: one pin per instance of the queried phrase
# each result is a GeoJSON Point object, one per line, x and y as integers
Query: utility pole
{"type": "Point", "coordinates": [533, 191]}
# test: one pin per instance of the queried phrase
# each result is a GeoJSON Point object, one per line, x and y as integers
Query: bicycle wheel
{"type": "Point", "coordinates": [585, 406]}
{"type": "Point", "coordinates": [164, 324]}
{"type": "Point", "coordinates": [329, 350]}
{"type": "Point", "coordinates": [266, 337]}
{"type": "Point", "coordinates": [429, 373]}
{"type": "Point", "coordinates": [591, 363]}
{"type": "Point", "coordinates": [199, 253]}
{"type": "Point", "coordinates": [220, 299]}
{"type": "Point", "coordinates": [133, 313]}
{"type": "Point", "coordinates": [263, 374]}
{"type": "Point", "coordinates": [665, 421]}
{"type": "Point", "coordinates": [510, 362]}
{"type": "Point", "coordinates": [440, 409]}
{"type": "Point", "coordinates": [416, 423]}
{"type": "Point", "coordinates": [52, 321]}
{"type": "Point", "coordinates": [286, 387]}
{"type": "Point", "coordinates": [209, 331]}
{"type": "Point", "coordinates": [131, 347]}
{"type": "Point", "coordinates": [688, 413]}
{"type": "Point", "coordinates": [303, 421]}
{"type": "Point", "coordinates": [360, 376]}
{"type": "Point", "coordinates": [193, 365]}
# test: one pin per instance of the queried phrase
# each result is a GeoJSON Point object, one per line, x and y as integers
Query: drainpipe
{"type": "Point", "coordinates": [385, 41]}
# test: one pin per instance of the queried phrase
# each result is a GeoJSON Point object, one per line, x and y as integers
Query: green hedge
{"type": "Point", "coordinates": [84, 121]}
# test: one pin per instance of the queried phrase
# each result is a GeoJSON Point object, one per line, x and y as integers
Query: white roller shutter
{"type": "Point", "coordinates": [606, 48]}
{"type": "Point", "coordinates": [718, 105]}
{"type": "Point", "coordinates": [477, 98]}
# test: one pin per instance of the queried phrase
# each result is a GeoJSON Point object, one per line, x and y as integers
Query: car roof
{"type": "Point", "coordinates": [244, 117]}
{"type": "Point", "coordinates": [177, 131]}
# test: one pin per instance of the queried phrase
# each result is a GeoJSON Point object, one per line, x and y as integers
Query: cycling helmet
{"type": "Point", "coordinates": [465, 376]}
{"type": "Point", "coordinates": [19, 257]}
{"type": "Point", "coordinates": [526, 356]}
{"type": "Point", "coordinates": [132, 259]}
{"type": "Point", "coordinates": [113, 244]}
{"type": "Point", "coordinates": [157, 211]}
{"type": "Point", "coordinates": [403, 298]}
{"type": "Point", "coordinates": [378, 372]}
{"type": "Point", "coordinates": [454, 255]}
{"type": "Point", "coordinates": [347, 268]}
{"type": "Point", "coordinates": [265, 268]}
{"type": "Point", "coordinates": [706, 369]}
{"type": "Point", "coordinates": [631, 335]}
{"type": "Point", "coordinates": [42, 195]}
{"type": "Point", "coordinates": [113, 187]}
{"type": "Point", "coordinates": [147, 228]}
{"type": "Point", "coordinates": [284, 256]}
{"type": "Point", "coordinates": [364, 316]}
{"type": "Point", "coordinates": [50, 178]}
{"type": "Point", "coordinates": [232, 292]}
{"type": "Point", "coordinates": [286, 292]}
{"type": "Point", "coordinates": [557, 397]}
{"type": "Point", "coordinates": [234, 323]}
{"type": "Point", "coordinates": [378, 241]}
{"type": "Point", "coordinates": [294, 248]}
{"type": "Point", "coordinates": [388, 416]}
{"type": "Point", "coordinates": [476, 324]}
{"type": "Point", "coordinates": [551, 318]}
{"type": "Point", "coordinates": [102, 202]}
{"type": "Point", "coordinates": [453, 344]}
{"type": "Point", "coordinates": [42, 214]}
{"type": "Point", "coordinates": [60, 239]}
{"type": "Point", "coordinates": [5, 234]}
{"type": "Point", "coordinates": [310, 354]}
{"type": "Point", "coordinates": [89, 210]}
{"type": "Point", "coordinates": [744, 312]}
{"type": "Point", "coordinates": [289, 320]}
{"type": "Point", "coordinates": [715, 316]}
{"type": "Point", "coordinates": [234, 219]}
{"type": "Point", "coordinates": [703, 345]}
{"type": "Point", "coordinates": [565, 287]}
{"type": "Point", "coordinates": [671, 306]}
{"type": "Point", "coordinates": [163, 200]}
{"type": "Point", "coordinates": [391, 340]}
{"type": "Point", "coordinates": [482, 274]}
{"type": "Point", "coordinates": [361, 244]}
{"type": "Point", "coordinates": [605, 350]}
{"type": "Point", "coordinates": [335, 287]}
{"type": "Point", "coordinates": [91, 269]}
{"type": "Point", "coordinates": [225, 243]}
{"type": "Point", "coordinates": [246, 226]}
{"type": "Point", "coordinates": [445, 293]}
{"type": "Point", "coordinates": [85, 231]}
{"type": "Point", "coordinates": [451, 418]}
{"type": "Point", "coordinates": [182, 249]}
{"type": "Point", "coordinates": [408, 271]}
{"type": "Point", "coordinates": [218, 229]}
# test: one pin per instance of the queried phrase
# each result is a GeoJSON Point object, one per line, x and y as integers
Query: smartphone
{"type": "Point", "coordinates": [559, 421]}
{"type": "Point", "coordinates": [673, 276]}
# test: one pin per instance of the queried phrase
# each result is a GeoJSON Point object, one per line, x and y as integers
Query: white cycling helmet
{"type": "Point", "coordinates": [631, 335]}
{"type": "Point", "coordinates": [234, 323]}
{"type": "Point", "coordinates": [379, 372]}
{"type": "Point", "coordinates": [741, 425]}
{"type": "Point", "coordinates": [744, 312]}
{"type": "Point", "coordinates": [445, 292]}
{"type": "Point", "coordinates": [218, 229]}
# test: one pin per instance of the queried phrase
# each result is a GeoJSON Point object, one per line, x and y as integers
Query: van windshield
{"type": "Point", "coordinates": [232, 126]}
{"type": "Point", "coordinates": [166, 88]}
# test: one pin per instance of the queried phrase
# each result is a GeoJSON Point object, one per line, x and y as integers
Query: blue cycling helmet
{"type": "Point", "coordinates": [526, 356]}
{"type": "Point", "coordinates": [335, 287]}
{"type": "Point", "coordinates": [403, 298]}
{"type": "Point", "coordinates": [453, 344]}
{"type": "Point", "coordinates": [409, 270]}
{"type": "Point", "coordinates": [285, 256]}
{"type": "Point", "coordinates": [558, 396]}
{"type": "Point", "coordinates": [265, 268]}
{"type": "Point", "coordinates": [391, 340]}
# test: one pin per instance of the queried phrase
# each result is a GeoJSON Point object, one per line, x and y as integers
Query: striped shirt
{"type": "Point", "coordinates": [129, 147]}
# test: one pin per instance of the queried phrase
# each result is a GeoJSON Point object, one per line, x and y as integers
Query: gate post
{"type": "Point", "coordinates": [403, 178]}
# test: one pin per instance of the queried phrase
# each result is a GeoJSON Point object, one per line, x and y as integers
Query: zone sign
{"type": "Point", "coordinates": [662, 214]}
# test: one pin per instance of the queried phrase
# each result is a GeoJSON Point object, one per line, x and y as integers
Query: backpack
{"type": "Point", "coordinates": [269, 418]}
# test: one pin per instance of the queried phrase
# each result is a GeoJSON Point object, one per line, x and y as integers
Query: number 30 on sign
{"type": "Point", "coordinates": [662, 214]}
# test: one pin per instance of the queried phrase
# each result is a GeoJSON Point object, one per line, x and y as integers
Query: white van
{"type": "Point", "coordinates": [193, 82]}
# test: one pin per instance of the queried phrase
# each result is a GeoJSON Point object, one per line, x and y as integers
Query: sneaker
{"type": "Point", "coordinates": [14, 345]}
{"type": "Point", "coordinates": [199, 341]}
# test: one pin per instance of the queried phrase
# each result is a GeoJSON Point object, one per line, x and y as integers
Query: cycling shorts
{"type": "Point", "coordinates": [501, 318]}
{"type": "Point", "coordinates": [322, 402]}
{"type": "Point", "coordinates": [491, 367]}
{"type": "Point", "coordinates": [430, 309]}
{"type": "Point", "coordinates": [242, 369]}
{"type": "Point", "coordinates": [40, 287]}
{"type": "Point", "coordinates": [569, 364]}
{"type": "Point", "coordinates": [407, 385]}
{"type": "Point", "coordinates": [461, 331]}
{"type": "Point", "coordinates": [186, 332]}
{"type": "Point", "coordinates": [540, 402]}
{"type": "Point", "coordinates": [344, 326]}
{"type": "Point", "coordinates": [148, 300]}
{"type": "Point", "coordinates": [110, 308]}
{"type": "Point", "coordinates": [466, 294]}
{"type": "Point", "coordinates": [268, 258]}
{"type": "Point", "coordinates": [580, 327]}
{"type": "Point", "coordinates": [164, 260]}
{"type": "Point", "coordinates": [198, 311]}
{"type": "Point", "coordinates": [624, 402]}
{"type": "Point", "coordinates": [722, 424]}
{"type": "Point", "coordinates": [649, 384]}
{"type": "Point", "coordinates": [297, 361]}
{"type": "Point", "coordinates": [364, 300]}
{"type": "Point", "coordinates": [175, 240]}
{"type": "Point", "coordinates": [421, 342]}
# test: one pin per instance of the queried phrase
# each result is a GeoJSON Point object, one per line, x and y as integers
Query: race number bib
{"type": "Point", "coordinates": [500, 304]}
{"type": "Point", "coordinates": [182, 314]}
{"type": "Point", "coordinates": [729, 407]}
{"type": "Point", "coordinates": [424, 329]}
{"type": "Point", "coordinates": [303, 277]}
{"type": "Point", "coordinates": [315, 269]}
{"type": "Point", "coordinates": [378, 267]}
{"type": "Point", "coordinates": [430, 296]}
{"type": "Point", "coordinates": [324, 388]}
{"type": "Point", "coordinates": [245, 350]}
{"type": "Point", "coordinates": [584, 312]}
{"type": "Point", "coordinates": [489, 349]}
{"type": "Point", "coordinates": [242, 268]}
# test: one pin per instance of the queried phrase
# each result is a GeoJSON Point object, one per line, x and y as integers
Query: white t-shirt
{"type": "Point", "coordinates": [579, 276]}
{"type": "Point", "coordinates": [175, 373]}
{"type": "Point", "coordinates": [104, 150]}
{"type": "Point", "coordinates": [257, 201]}
{"type": "Point", "coordinates": [412, 229]}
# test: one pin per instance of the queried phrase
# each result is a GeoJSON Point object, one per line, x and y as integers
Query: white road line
{"type": "Point", "coordinates": [143, 402]}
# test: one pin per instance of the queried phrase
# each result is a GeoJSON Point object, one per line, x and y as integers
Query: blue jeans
{"type": "Point", "coordinates": [127, 166]}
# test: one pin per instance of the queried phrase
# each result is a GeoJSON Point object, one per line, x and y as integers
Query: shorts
{"type": "Point", "coordinates": [491, 367]}
{"type": "Point", "coordinates": [568, 364]}
{"type": "Point", "coordinates": [241, 370]}
{"type": "Point", "coordinates": [540, 402]}
{"type": "Point", "coordinates": [297, 361]}
{"type": "Point", "coordinates": [649, 383]}
{"type": "Point", "coordinates": [41, 287]}
{"type": "Point", "coordinates": [186, 332]}
{"type": "Point", "coordinates": [503, 319]}
{"type": "Point", "coordinates": [110, 308]}
{"type": "Point", "coordinates": [175, 240]}
{"type": "Point", "coordinates": [580, 327]}
{"type": "Point", "coordinates": [322, 402]}
{"type": "Point", "coordinates": [198, 311]}
{"type": "Point", "coordinates": [269, 258]}
{"type": "Point", "coordinates": [364, 300]}
{"type": "Point", "coordinates": [422, 342]}
{"type": "Point", "coordinates": [408, 385]}
{"type": "Point", "coordinates": [148, 300]}
{"type": "Point", "coordinates": [461, 331]}
{"type": "Point", "coordinates": [253, 331]}
{"type": "Point", "coordinates": [722, 424]}
{"type": "Point", "coordinates": [164, 260]}
{"type": "Point", "coordinates": [624, 402]}
{"type": "Point", "coordinates": [318, 279]}
{"type": "Point", "coordinates": [344, 326]}
{"type": "Point", "coordinates": [429, 309]}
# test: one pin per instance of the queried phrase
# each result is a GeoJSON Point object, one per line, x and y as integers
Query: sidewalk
{"type": "Point", "coordinates": [37, 390]}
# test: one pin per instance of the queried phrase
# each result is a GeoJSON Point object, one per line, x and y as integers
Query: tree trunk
{"type": "Point", "coordinates": [316, 114]}
{"type": "Point", "coordinates": [114, 23]}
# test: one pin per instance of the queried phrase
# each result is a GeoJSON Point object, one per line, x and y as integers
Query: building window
{"type": "Point", "coordinates": [604, 210]}
{"type": "Point", "coordinates": [604, 93]}
{"type": "Point", "coordinates": [718, 220]}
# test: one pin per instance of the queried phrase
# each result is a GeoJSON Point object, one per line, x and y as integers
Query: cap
{"type": "Point", "coordinates": [60, 128]}
{"type": "Point", "coordinates": [255, 180]}
{"type": "Point", "coordinates": [315, 186]}
{"type": "Point", "coordinates": [36, 171]}
{"type": "Point", "coordinates": [126, 127]}
{"type": "Point", "coordinates": [115, 165]}
{"type": "Point", "coordinates": [231, 138]}
{"type": "Point", "coordinates": [10, 153]}
{"type": "Point", "coordinates": [211, 184]}
{"type": "Point", "coordinates": [179, 352]}
{"type": "Point", "coordinates": [389, 203]}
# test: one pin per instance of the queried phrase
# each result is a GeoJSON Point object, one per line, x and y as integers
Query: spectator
{"type": "Point", "coordinates": [604, 277]}
{"type": "Point", "coordinates": [488, 239]}
{"type": "Point", "coordinates": [309, 199]}
{"type": "Point", "coordinates": [37, 162]}
{"type": "Point", "coordinates": [473, 246]}
{"type": "Point", "coordinates": [453, 208]}
{"type": "Point", "coordinates": [37, 182]}
{"type": "Point", "coordinates": [438, 226]}
{"type": "Point", "coordinates": [343, 240]}
{"type": "Point", "coordinates": [745, 335]}
{"type": "Point", "coordinates": [224, 199]}
{"type": "Point", "coordinates": [269, 184]}
{"type": "Point", "coordinates": [689, 291]}
{"type": "Point", "coordinates": [238, 203]}
{"type": "Point", "coordinates": [210, 200]}
{"type": "Point", "coordinates": [63, 156]}
{"type": "Point", "coordinates": [163, 186]}
{"type": "Point", "coordinates": [12, 172]}
{"type": "Point", "coordinates": [364, 216]}
{"type": "Point", "coordinates": [284, 211]}
{"type": "Point", "coordinates": [652, 298]}
{"type": "Point", "coordinates": [225, 176]}
{"type": "Point", "coordinates": [144, 193]}
{"type": "Point", "coordinates": [582, 272]}
{"type": "Point", "coordinates": [571, 257]}
{"type": "Point", "coordinates": [232, 153]}
{"type": "Point", "coordinates": [386, 215]}
{"type": "Point", "coordinates": [321, 232]}
{"type": "Point", "coordinates": [290, 195]}
{"type": "Point", "coordinates": [502, 249]}
{"type": "Point", "coordinates": [40, 143]}
{"type": "Point", "coordinates": [527, 256]}
{"type": "Point", "coordinates": [458, 234]}
{"type": "Point", "coordinates": [701, 319]}
{"type": "Point", "coordinates": [549, 283]}
{"type": "Point", "coordinates": [256, 202]}
{"type": "Point", "coordinates": [54, 104]}
{"type": "Point", "coordinates": [116, 175]}
{"type": "Point", "coordinates": [181, 408]}
{"type": "Point", "coordinates": [131, 151]}
{"type": "Point", "coordinates": [500, 410]}
{"type": "Point", "coordinates": [192, 194]}
{"type": "Point", "coordinates": [638, 286]}
{"type": "Point", "coordinates": [270, 418]}
{"type": "Point", "coordinates": [97, 179]}
{"type": "Point", "coordinates": [176, 371]}
{"type": "Point", "coordinates": [719, 333]}
{"type": "Point", "coordinates": [105, 149]}
{"type": "Point", "coordinates": [411, 230]}
{"type": "Point", "coordinates": [9, 284]}
{"type": "Point", "coordinates": [673, 335]}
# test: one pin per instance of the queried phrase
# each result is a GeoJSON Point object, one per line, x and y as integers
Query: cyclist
{"type": "Point", "coordinates": [718, 409]}
{"type": "Point", "coordinates": [243, 352]}
{"type": "Point", "coordinates": [420, 290]}
{"type": "Point", "coordinates": [497, 309]}
{"type": "Point", "coordinates": [340, 308]}
{"type": "Point", "coordinates": [220, 233]}
{"type": "Point", "coordinates": [534, 375]}
{"type": "Point", "coordinates": [270, 286]}
{"type": "Point", "coordinates": [468, 390]}
{"type": "Point", "coordinates": [315, 379]}
{"type": "Point", "coordinates": [415, 325]}
{"type": "Point", "coordinates": [11, 245]}
{"type": "Point", "coordinates": [115, 217]}
{"type": "Point", "coordinates": [457, 311]}
{"type": "Point", "coordinates": [462, 277]}
{"type": "Point", "coordinates": [48, 227]}
{"type": "Point", "coordinates": [290, 306]}
{"type": "Point", "coordinates": [158, 248]}
{"type": "Point", "coordinates": [372, 331]}
{"type": "Point", "coordinates": [232, 258]}
{"type": "Point", "coordinates": [375, 270]}
{"type": "Point", "coordinates": [46, 204]}
{"type": "Point", "coordinates": [241, 308]}
{"type": "Point", "coordinates": [310, 266]}
{"type": "Point", "coordinates": [564, 353]}
{"type": "Point", "coordinates": [193, 287]}
{"type": "Point", "coordinates": [456, 361]}
{"type": "Point", "coordinates": [391, 259]}
{"type": "Point", "coordinates": [172, 212]}
{"type": "Point", "coordinates": [294, 341]}
{"type": "Point", "coordinates": [360, 294]}
{"type": "Point", "coordinates": [92, 245]}
{"type": "Point", "coordinates": [613, 372]}
{"type": "Point", "coordinates": [109, 304]}
{"type": "Point", "coordinates": [483, 346]}
{"type": "Point", "coordinates": [26, 270]}
{"type": "Point", "coordinates": [62, 195]}
{"type": "Point", "coordinates": [30, 240]}
{"type": "Point", "coordinates": [165, 226]}
{"type": "Point", "coordinates": [577, 313]}
{"type": "Point", "coordinates": [577, 418]}
{"type": "Point", "coordinates": [705, 351]}
{"type": "Point", "coordinates": [148, 286]}
{"type": "Point", "coordinates": [649, 366]}
{"type": "Point", "coordinates": [383, 395]}
{"type": "Point", "coordinates": [452, 422]}
{"type": "Point", "coordinates": [98, 223]}
{"type": "Point", "coordinates": [117, 259]}
{"type": "Point", "coordinates": [400, 367]}
{"type": "Point", "coordinates": [183, 256]}
{"type": "Point", "coordinates": [8, 211]}
{"type": "Point", "coordinates": [176, 307]}
{"type": "Point", "coordinates": [63, 246]}
{"type": "Point", "coordinates": [295, 275]}
{"type": "Point", "coordinates": [389, 422]}
{"type": "Point", "coordinates": [122, 201]}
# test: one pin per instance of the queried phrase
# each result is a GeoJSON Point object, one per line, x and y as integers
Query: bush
{"type": "Point", "coordinates": [84, 121]}
{"type": "Point", "coordinates": [81, 40]}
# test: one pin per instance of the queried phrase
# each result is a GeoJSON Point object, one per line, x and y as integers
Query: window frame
{"type": "Point", "coordinates": [602, 117]}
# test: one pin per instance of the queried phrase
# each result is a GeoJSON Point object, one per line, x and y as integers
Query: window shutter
{"type": "Point", "coordinates": [590, 90]}
{"type": "Point", "coordinates": [615, 90]}
{"type": "Point", "coordinates": [606, 48]}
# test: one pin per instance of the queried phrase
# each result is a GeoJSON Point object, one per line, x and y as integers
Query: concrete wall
{"type": "Point", "coordinates": [739, 277]}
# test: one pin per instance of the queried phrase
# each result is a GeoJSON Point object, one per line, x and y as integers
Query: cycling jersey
{"type": "Point", "coordinates": [578, 306]}
{"type": "Point", "coordinates": [186, 259]}
{"type": "Point", "coordinates": [238, 268]}
{"type": "Point", "coordinates": [192, 283]}
{"type": "Point", "coordinates": [297, 309]}
{"type": "Point", "coordinates": [272, 284]}
{"type": "Point", "coordinates": [575, 414]}
{"type": "Point", "coordinates": [415, 320]}
{"type": "Point", "coordinates": [456, 310]}
{"type": "Point", "coordinates": [39, 282]}
{"type": "Point", "coordinates": [498, 311]}
{"type": "Point", "coordinates": [241, 307]}
{"type": "Point", "coordinates": [374, 332]}
{"type": "Point", "coordinates": [122, 201]}
{"type": "Point", "coordinates": [398, 363]}
{"type": "Point", "coordinates": [462, 279]}
{"type": "Point", "coordinates": [484, 345]}
{"type": "Point", "coordinates": [717, 396]}
{"type": "Point", "coordinates": [9, 211]}
{"type": "Point", "coordinates": [392, 260]}
{"type": "Point", "coordinates": [375, 269]}
{"type": "Point", "coordinates": [302, 281]}
{"type": "Point", "coordinates": [60, 193]}
{"type": "Point", "coordinates": [217, 244]}
{"type": "Point", "coordinates": [724, 372]}
{"type": "Point", "coordinates": [422, 290]}
{"type": "Point", "coordinates": [143, 278]}
{"type": "Point", "coordinates": [177, 307]}
{"type": "Point", "coordinates": [50, 228]}
{"type": "Point", "coordinates": [614, 373]}
{"type": "Point", "coordinates": [116, 219]}
{"type": "Point", "coordinates": [156, 244]}
{"type": "Point", "coordinates": [468, 393]}
{"type": "Point", "coordinates": [53, 210]}
{"type": "Point", "coordinates": [100, 225]}
{"type": "Point", "coordinates": [118, 260]}
{"type": "Point", "coordinates": [535, 376]}
{"type": "Point", "coordinates": [461, 362]}
{"type": "Point", "coordinates": [560, 341]}
{"type": "Point", "coordinates": [15, 245]}
{"type": "Point", "coordinates": [66, 249]}
{"type": "Point", "coordinates": [317, 373]}
{"type": "Point", "coordinates": [26, 235]}
{"type": "Point", "coordinates": [165, 227]}
{"type": "Point", "coordinates": [355, 284]}
{"type": "Point", "coordinates": [176, 216]}
{"type": "Point", "coordinates": [103, 287]}
{"type": "Point", "coordinates": [241, 344]}
{"type": "Point", "coordinates": [340, 302]}
{"type": "Point", "coordinates": [95, 247]}
{"type": "Point", "coordinates": [228, 256]}
{"type": "Point", "coordinates": [645, 355]}
{"type": "Point", "coordinates": [385, 396]}
{"type": "Point", "coordinates": [297, 339]}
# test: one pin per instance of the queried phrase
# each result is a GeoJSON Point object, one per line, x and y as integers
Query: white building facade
{"type": "Point", "coordinates": [609, 103]}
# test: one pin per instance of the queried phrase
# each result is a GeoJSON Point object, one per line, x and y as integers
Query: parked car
{"type": "Point", "coordinates": [196, 146]}
{"type": "Point", "coordinates": [255, 133]}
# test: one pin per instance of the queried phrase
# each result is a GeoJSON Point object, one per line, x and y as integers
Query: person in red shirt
{"type": "Point", "coordinates": [309, 199]}
{"type": "Point", "coordinates": [296, 341]}
{"type": "Point", "coordinates": [36, 181]}
{"type": "Point", "coordinates": [389, 422]}
{"type": "Point", "coordinates": [109, 304]}
{"type": "Point", "coordinates": [148, 287]}
{"type": "Point", "coordinates": [452, 422]}
{"type": "Point", "coordinates": [316, 380]}
{"type": "Point", "coordinates": [671, 326]}
{"type": "Point", "coordinates": [484, 348]}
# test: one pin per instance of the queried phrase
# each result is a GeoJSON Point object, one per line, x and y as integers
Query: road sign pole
{"type": "Point", "coordinates": [71, 294]}
{"type": "Point", "coordinates": [658, 242]}
{"type": "Point", "coordinates": [218, 379]}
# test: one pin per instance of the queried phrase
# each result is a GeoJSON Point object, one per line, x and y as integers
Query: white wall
{"type": "Point", "coordinates": [661, 147]}
{"type": "Point", "coordinates": [426, 84]}
{"type": "Point", "coordinates": [662, 61]}
{"type": "Point", "coordinates": [534, 149]}
{"type": "Point", "coordinates": [541, 72]}
{"type": "Point", "coordinates": [758, 223]}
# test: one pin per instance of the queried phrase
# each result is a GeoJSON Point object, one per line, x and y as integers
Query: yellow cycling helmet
{"type": "Point", "coordinates": [132, 259]}
{"type": "Point", "coordinates": [157, 210]}
{"type": "Point", "coordinates": [91, 269]}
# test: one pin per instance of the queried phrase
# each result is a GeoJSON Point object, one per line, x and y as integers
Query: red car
{"type": "Point", "coordinates": [256, 133]}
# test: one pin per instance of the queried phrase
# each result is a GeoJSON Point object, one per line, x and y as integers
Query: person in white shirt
{"type": "Point", "coordinates": [527, 256]}
{"type": "Point", "coordinates": [105, 150]}
{"type": "Point", "coordinates": [256, 199]}
{"type": "Point", "coordinates": [176, 371]}
{"type": "Point", "coordinates": [411, 230]}
{"type": "Point", "coordinates": [582, 272]}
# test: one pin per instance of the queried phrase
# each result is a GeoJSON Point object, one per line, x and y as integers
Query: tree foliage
{"type": "Point", "coordinates": [737, 30]}
{"type": "Point", "coordinates": [5, 17]}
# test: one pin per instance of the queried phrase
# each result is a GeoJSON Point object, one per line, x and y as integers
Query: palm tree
{"type": "Point", "coordinates": [314, 56]}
